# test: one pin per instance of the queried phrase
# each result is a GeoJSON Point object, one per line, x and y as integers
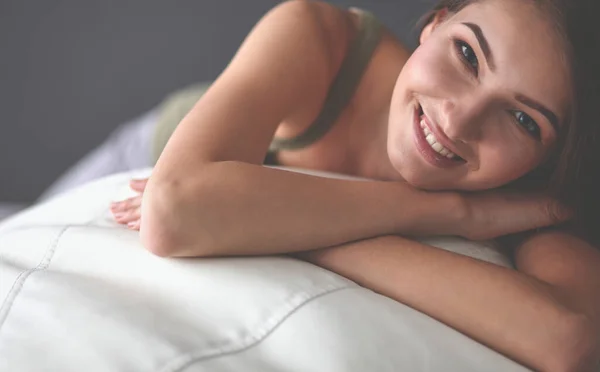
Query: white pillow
{"type": "Point", "coordinates": [79, 293]}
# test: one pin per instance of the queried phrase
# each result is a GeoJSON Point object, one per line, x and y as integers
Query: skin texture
{"type": "Point", "coordinates": [557, 279]}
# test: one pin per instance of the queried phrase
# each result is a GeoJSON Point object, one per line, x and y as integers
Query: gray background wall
{"type": "Point", "coordinates": [73, 70]}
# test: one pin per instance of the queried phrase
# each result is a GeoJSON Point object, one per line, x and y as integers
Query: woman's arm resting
{"type": "Point", "coordinates": [545, 316]}
{"type": "Point", "coordinates": [209, 194]}
{"type": "Point", "coordinates": [235, 208]}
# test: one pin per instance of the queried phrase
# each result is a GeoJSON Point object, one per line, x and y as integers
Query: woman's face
{"type": "Point", "coordinates": [480, 102]}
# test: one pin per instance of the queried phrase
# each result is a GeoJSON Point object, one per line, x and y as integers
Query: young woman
{"type": "Point", "coordinates": [500, 93]}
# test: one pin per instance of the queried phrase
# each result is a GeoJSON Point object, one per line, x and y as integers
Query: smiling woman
{"type": "Point", "coordinates": [563, 69]}
{"type": "Point", "coordinates": [479, 94]}
{"type": "Point", "coordinates": [499, 94]}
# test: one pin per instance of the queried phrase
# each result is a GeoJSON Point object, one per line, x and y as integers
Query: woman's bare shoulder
{"type": "Point", "coordinates": [334, 26]}
{"type": "Point", "coordinates": [340, 27]}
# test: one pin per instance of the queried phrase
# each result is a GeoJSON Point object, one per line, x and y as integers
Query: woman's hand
{"type": "Point", "coordinates": [128, 212]}
{"type": "Point", "coordinates": [491, 214]}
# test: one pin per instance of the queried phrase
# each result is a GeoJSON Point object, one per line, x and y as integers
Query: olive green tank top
{"type": "Point", "coordinates": [173, 109]}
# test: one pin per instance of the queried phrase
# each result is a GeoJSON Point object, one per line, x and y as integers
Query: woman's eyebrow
{"type": "Point", "coordinates": [551, 116]}
{"type": "Point", "coordinates": [483, 44]}
{"type": "Point", "coordinates": [487, 52]}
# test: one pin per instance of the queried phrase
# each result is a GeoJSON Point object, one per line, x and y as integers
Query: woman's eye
{"type": "Point", "coordinates": [527, 123]}
{"type": "Point", "coordinates": [468, 55]}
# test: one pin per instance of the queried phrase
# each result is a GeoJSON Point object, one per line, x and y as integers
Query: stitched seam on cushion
{"type": "Point", "coordinates": [22, 277]}
{"type": "Point", "coordinates": [183, 362]}
{"type": "Point", "coordinates": [87, 225]}
{"type": "Point", "coordinates": [88, 222]}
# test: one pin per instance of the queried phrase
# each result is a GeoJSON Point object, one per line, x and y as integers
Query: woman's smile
{"type": "Point", "coordinates": [432, 144]}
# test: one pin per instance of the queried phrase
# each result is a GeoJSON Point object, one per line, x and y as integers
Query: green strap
{"type": "Point", "coordinates": [178, 104]}
{"type": "Point", "coordinates": [343, 87]}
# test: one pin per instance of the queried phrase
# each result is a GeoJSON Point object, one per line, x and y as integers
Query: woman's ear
{"type": "Point", "coordinates": [436, 20]}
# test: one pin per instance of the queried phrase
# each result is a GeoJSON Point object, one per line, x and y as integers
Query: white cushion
{"type": "Point", "coordinates": [79, 293]}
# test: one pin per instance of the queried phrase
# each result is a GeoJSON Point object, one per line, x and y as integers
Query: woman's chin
{"type": "Point", "coordinates": [420, 176]}
{"type": "Point", "coordinates": [419, 181]}
{"type": "Point", "coordinates": [414, 175]}
{"type": "Point", "coordinates": [407, 168]}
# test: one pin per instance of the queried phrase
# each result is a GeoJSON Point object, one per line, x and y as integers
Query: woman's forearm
{"type": "Point", "coordinates": [512, 313]}
{"type": "Point", "coordinates": [234, 208]}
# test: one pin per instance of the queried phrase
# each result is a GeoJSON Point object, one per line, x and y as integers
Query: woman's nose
{"type": "Point", "coordinates": [462, 121]}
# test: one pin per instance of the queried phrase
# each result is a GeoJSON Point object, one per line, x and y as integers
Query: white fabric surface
{"type": "Point", "coordinates": [79, 293]}
{"type": "Point", "coordinates": [128, 147]}
{"type": "Point", "coordinates": [8, 209]}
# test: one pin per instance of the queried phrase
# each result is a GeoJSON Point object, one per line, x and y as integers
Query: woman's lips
{"type": "Point", "coordinates": [430, 155]}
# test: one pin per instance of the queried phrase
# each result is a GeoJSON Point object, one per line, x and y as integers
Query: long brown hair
{"type": "Point", "coordinates": [573, 173]}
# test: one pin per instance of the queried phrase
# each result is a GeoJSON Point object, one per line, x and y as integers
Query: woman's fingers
{"type": "Point", "coordinates": [138, 185]}
{"type": "Point", "coordinates": [126, 204]}
{"type": "Point", "coordinates": [127, 210]}
{"type": "Point", "coordinates": [134, 225]}
{"type": "Point", "coordinates": [127, 216]}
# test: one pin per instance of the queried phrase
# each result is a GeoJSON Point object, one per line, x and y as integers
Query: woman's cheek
{"type": "Point", "coordinates": [509, 164]}
{"type": "Point", "coordinates": [430, 70]}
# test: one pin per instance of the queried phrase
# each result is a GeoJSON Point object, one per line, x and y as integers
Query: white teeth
{"type": "Point", "coordinates": [435, 145]}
